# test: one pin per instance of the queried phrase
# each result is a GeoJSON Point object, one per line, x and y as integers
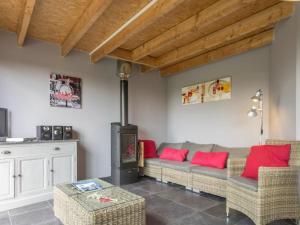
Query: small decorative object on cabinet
{"type": "Point", "coordinates": [29, 171]}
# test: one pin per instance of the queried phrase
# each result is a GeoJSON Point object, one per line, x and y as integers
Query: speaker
{"type": "Point", "coordinates": [44, 132]}
{"type": "Point", "coordinates": [57, 132]}
{"type": "Point", "coordinates": [67, 134]}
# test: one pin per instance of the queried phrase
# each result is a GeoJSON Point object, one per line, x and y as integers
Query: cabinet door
{"type": "Point", "coordinates": [62, 169]}
{"type": "Point", "coordinates": [32, 175]}
{"type": "Point", "coordinates": [7, 186]}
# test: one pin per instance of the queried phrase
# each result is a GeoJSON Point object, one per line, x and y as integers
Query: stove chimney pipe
{"type": "Point", "coordinates": [124, 71]}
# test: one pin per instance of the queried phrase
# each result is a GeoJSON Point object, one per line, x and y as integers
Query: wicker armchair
{"type": "Point", "coordinates": [276, 195]}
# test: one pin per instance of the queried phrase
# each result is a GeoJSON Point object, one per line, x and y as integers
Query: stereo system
{"type": "Point", "coordinates": [57, 132]}
{"type": "Point", "coordinates": [67, 132]}
{"type": "Point", "coordinates": [44, 132]}
{"type": "Point", "coordinates": [54, 132]}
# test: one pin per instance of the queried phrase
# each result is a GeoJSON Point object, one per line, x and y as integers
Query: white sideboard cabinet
{"type": "Point", "coordinates": [28, 171]}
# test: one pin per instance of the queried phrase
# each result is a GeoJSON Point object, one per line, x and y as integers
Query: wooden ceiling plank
{"type": "Point", "coordinates": [236, 48]}
{"type": "Point", "coordinates": [187, 9]}
{"type": "Point", "coordinates": [25, 21]}
{"type": "Point", "coordinates": [195, 24]}
{"type": "Point", "coordinates": [127, 56]}
{"type": "Point", "coordinates": [147, 69]}
{"type": "Point", "coordinates": [151, 12]}
{"type": "Point", "coordinates": [85, 22]}
{"type": "Point", "coordinates": [242, 29]}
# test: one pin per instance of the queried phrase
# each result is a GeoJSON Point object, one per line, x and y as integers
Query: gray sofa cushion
{"type": "Point", "coordinates": [181, 166]}
{"type": "Point", "coordinates": [168, 145]}
{"type": "Point", "coordinates": [208, 171]}
{"type": "Point", "coordinates": [152, 161]}
{"type": "Point", "coordinates": [239, 152]}
{"type": "Point", "coordinates": [194, 147]}
{"type": "Point", "coordinates": [249, 184]}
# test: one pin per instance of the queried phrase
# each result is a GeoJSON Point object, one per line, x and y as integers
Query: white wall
{"type": "Point", "coordinates": [222, 122]}
{"type": "Point", "coordinates": [24, 90]}
{"type": "Point", "coordinates": [147, 102]}
{"type": "Point", "coordinates": [298, 71]}
{"type": "Point", "coordinates": [285, 79]}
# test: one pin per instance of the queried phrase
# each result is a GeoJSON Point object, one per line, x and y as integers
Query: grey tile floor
{"type": "Point", "coordinates": [166, 205]}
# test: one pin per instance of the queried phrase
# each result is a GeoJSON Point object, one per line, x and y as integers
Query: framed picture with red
{"type": "Point", "coordinates": [65, 91]}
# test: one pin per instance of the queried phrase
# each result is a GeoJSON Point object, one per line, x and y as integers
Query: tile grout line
{"type": "Point", "coordinates": [50, 205]}
{"type": "Point", "coordinates": [202, 210]}
{"type": "Point", "coordinates": [215, 203]}
{"type": "Point", "coordinates": [9, 217]}
{"type": "Point", "coordinates": [30, 211]}
{"type": "Point", "coordinates": [45, 222]}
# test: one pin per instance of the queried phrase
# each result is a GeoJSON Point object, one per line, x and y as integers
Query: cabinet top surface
{"type": "Point", "coordinates": [37, 142]}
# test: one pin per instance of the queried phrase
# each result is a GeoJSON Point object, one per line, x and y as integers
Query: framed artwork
{"type": "Point", "coordinates": [65, 91]}
{"type": "Point", "coordinates": [215, 90]}
{"type": "Point", "coordinates": [190, 95]}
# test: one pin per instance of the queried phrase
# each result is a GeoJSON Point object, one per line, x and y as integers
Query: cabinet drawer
{"type": "Point", "coordinates": [37, 148]}
{"type": "Point", "coordinates": [62, 148]}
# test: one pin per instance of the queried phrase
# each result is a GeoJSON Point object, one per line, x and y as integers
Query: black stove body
{"type": "Point", "coordinates": [124, 154]}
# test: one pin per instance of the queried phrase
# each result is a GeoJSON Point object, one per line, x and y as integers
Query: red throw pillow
{"type": "Point", "coordinates": [266, 156]}
{"type": "Point", "coordinates": [149, 149]}
{"type": "Point", "coordinates": [210, 159]}
{"type": "Point", "coordinates": [174, 154]}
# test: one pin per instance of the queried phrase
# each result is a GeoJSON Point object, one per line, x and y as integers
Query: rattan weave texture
{"type": "Point", "coordinates": [124, 208]}
{"type": "Point", "coordinates": [277, 196]}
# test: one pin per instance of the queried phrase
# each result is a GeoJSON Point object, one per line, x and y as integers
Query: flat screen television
{"type": "Point", "coordinates": [3, 122]}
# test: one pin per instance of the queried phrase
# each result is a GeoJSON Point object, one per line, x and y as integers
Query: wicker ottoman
{"type": "Point", "coordinates": [122, 208]}
{"type": "Point", "coordinates": [62, 194]}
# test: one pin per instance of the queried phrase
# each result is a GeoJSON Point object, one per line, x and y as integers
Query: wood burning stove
{"type": "Point", "coordinates": [124, 137]}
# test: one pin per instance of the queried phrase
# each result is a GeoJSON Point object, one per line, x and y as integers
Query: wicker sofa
{"type": "Point", "coordinates": [273, 197]}
{"type": "Point", "coordinates": [196, 178]}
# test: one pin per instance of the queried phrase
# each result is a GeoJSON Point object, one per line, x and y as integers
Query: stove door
{"type": "Point", "coordinates": [128, 148]}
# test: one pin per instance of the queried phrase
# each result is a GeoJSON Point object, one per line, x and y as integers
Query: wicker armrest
{"type": "Point", "coordinates": [235, 166]}
{"type": "Point", "coordinates": [276, 177]}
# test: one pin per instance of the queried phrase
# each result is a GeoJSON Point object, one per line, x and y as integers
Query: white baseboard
{"type": "Point", "coordinates": [196, 190]}
{"type": "Point", "coordinates": [23, 201]}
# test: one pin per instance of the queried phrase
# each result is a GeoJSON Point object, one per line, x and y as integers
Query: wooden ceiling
{"type": "Point", "coordinates": [168, 35]}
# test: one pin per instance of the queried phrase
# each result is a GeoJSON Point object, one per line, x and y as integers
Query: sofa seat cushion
{"type": "Point", "coordinates": [164, 145]}
{"type": "Point", "coordinates": [152, 162]}
{"type": "Point", "coordinates": [238, 152]}
{"type": "Point", "coordinates": [194, 147]}
{"type": "Point", "coordinates": [208, 171]}
{"type": "Point", "coordinates": [249, 184]}
{"type": "Point", "coordinates": [181, 166]}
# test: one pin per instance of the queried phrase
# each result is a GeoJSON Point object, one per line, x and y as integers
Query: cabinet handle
{"type": "Point", "coordinates": [19, 175]}
{"type": "Point", "coordinates": [52, 171]}
{"type": "Point", "coordinates": [57, 148]}
{"type": "Point", "coordinates": [6, 152]}
{"type": "Point", "coordinates": [14, 176]}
